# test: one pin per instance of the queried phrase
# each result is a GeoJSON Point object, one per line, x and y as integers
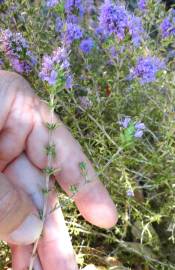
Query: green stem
{"type": "Point", "coordinates": [47, 181]}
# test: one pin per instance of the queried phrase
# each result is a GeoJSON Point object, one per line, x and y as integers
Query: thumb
{"type": "Point", "coordinates": [19, 221]}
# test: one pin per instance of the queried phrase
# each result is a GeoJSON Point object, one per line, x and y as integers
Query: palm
{"type": "Point", "coordinates": [23, 136]}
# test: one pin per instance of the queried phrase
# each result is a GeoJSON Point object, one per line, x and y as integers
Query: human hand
{"type": "Point", "coordinates": [23, 137]}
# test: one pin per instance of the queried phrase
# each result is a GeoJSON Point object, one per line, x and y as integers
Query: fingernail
{"type": "Point", "coordinates": [28, 231]}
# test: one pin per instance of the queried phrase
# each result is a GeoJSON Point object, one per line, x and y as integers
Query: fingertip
{"type": "Point", "coordinates": [107, 217]}
{"type": "Point", "coordinates": [24, 235]}
{"type": "Point", "coordinates": [103, 216]}
{"type": "Point", "coordinates": [96, 206]}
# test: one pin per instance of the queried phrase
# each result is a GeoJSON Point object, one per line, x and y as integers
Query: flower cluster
{"type": "Point", "coordinates": [73, 32]}
{"type": "Point", "coordinates": [56, 65]}
{"type": "Point", "coordinates": [116, 20]}
{"type": "Point", "coordinates": [87, 45]}
{"type": "Point", "coordinates": [167, 26]}
{"type": "Point", "coordinates": [146, 69]}
{"type": "Point", "coordinates": [69, 28]}
{"type": "Point", "coordinates": [113, 19]}
{"type": "Point", "coordinates": [138, 127]}
{"type": "Point", "coordinates": [16, 49]}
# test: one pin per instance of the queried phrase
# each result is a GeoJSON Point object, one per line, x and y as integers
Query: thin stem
{"type": "Point", "coordinates": [47, 180]}
{"type": "Point", "coordinates": [102, 128]}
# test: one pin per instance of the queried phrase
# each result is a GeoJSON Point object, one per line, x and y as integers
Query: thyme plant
{"type": "Point", "coordinates": [108, 71]}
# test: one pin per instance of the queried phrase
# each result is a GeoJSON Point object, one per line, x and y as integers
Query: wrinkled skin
{"type": "Point", "coordinates": [23, 136]}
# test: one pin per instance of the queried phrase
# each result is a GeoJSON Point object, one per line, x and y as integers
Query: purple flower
{"type": "Point", "coordinates": [47, 66]}
{"type": "Point", "coordinates": [113, 19]}
{"type": "Point", "coordinates": [52, 3]}
{"type": "Point", "coordinates": [146, 69]}
{"type": "Point", "coordinates": [73, 32]}
{"type": "Point", "coordinates": [69, 81]}
{"type": "Point", "coordinates": [167, 27]}
{"type": "Point", "coordinates": [135, 29]}
{"type": "Point", "coordinates": [142, 4]}
{"type": "Point", "coordinates": [31, 58]}
{"type": "Point", "coordinates": [87, 45]}
{"type": "Point", "coordinates": [138, 134]}
{"type": "Point", "coordinates": [140, 127]}
{"type": "Point", "coordinates": [58, 24]}
{"type": "Point", "coordinates": [16, 49]}
{"type": "Point", "coordinates": [130, 192]}
{"type": "Point", "coordinates": [125, 122]}
{"type": "Point", "coordinates": [1, 1]}
{"type": "Point", "coordinates": [52, 65]}
{"type": "Point", "coordinates": [100, 33]}
{"type": "Point", "coordinates": [20, 66]}
{"type": "Point", "coordinates": [53, 77]}
{"type": "Point", "coordinates": [60, 56]}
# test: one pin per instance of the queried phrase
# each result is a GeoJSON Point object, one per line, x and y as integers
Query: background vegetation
{"type": "Point", "coordinates": [138, 172]}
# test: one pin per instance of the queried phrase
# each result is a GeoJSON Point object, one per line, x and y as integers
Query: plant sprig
{"type": "Point", "coordinates": [49, 171]}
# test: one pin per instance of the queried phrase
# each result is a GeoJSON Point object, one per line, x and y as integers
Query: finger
{"type": "Point", "coordinates": [92, 200]}
{"type": "Point", "coordinates": [24, 175]}
{"type": "Point", "coordinates": [31, 181]}
{"type": "Point", "coordinates": [16, 101]}
{"type": "Point", "coordinates": [17, 214]}
{"type": "Point", "coordinates": [21, 258]}
{"type": "Point", "coordinates": [55, 247]}
{"type": "Point", "coordinates": [56, 239]}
